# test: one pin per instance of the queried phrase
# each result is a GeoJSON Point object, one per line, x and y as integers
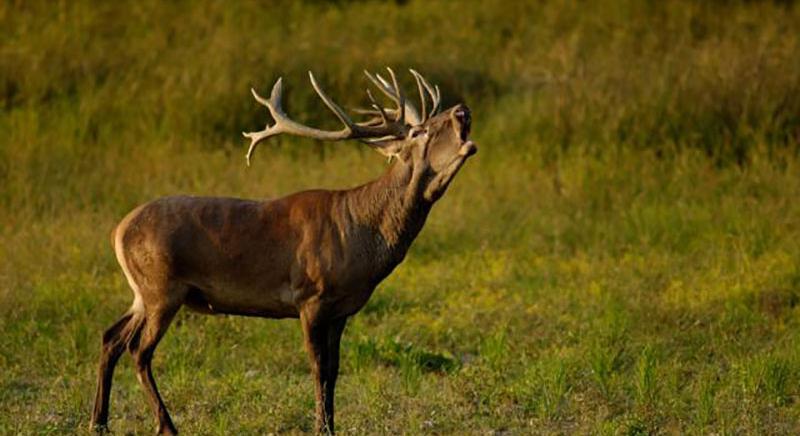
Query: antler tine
{"type": "Point", "coordinates": [382, 85]}
{"type": "Point", "coordinates": [379, 116]}
{"type": "Point", "coordinates": [331, 105]}
{"type": "Point", "coordinates": [383, 81]}
{"type": "Point", "coordinates": [362, 111]}
{"type": "Point", "coordinates": [420, 89]}
{"type": "Point", "coordinates": [433, 91]}
{"type": "Point", "coordinates": [438, 101]}
{"type": "Point", "coordinates": [372, 101]}
{"type": "Point", "coordinates": [370, 111]}
{"type": "Point", "coordinates": [377, 107]}
{"type": "Point", "coordinates": [391, 91]}
{"type": "Point", "coordinates": [402, 103]}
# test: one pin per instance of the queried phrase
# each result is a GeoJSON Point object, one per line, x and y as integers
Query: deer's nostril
{"type": "Point", "coordinates": [461, 113]}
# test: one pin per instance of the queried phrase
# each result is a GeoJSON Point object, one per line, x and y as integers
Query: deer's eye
{"type": "Point", "coordinates": [418, 131]}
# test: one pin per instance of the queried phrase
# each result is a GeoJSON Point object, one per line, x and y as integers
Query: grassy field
{"type": "Point", "coordinates": [621, 257]}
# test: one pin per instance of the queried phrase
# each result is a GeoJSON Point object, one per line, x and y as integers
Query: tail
{"type": "Point", "coordinates": [127, 329]}
{"type": "Point", "coordinates": [133, 329]}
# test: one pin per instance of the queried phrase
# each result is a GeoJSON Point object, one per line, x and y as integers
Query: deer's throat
{"type": "Point", "coordinates": [392, 207]}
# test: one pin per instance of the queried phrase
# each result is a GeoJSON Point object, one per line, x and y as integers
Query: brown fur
{"type": "Point", "coordinates": [315, 255]}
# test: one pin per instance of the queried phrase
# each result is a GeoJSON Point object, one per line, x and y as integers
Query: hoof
{"type": "Point", "coordinates": [99, 428]}
{"type": "Point", "coordinates": [167, 430]}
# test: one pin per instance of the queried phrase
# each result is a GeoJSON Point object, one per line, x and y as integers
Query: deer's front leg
{"type": "Point", "coordinates": [322, 339]}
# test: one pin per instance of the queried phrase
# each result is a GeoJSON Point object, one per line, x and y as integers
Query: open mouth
{"type": "Point", "coordinates": [468, 149]}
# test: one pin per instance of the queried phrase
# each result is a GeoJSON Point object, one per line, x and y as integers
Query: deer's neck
{"type": "Point", "coordinates": [392, 206]}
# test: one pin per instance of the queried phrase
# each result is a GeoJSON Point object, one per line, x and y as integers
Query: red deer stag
{"type": "Point", "coordinates": [315, 255]}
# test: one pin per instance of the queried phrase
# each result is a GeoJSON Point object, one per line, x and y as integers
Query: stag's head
{"type": "Point", "coordinates": [432, 143]}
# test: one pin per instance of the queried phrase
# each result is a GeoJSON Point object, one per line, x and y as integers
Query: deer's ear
{"type": "Point", "coordinates": [396, 147]}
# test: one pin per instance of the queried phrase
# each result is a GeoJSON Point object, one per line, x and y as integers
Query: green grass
{"type": "Point", "coordinates": [621, 257]}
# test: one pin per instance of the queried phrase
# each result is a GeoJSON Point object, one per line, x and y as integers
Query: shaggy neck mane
{"type": "Point", "coordinates": [393, 204]}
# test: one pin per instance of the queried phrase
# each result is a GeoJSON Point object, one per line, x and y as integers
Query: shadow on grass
{"type": "Point", "coordinates": [404, 355]}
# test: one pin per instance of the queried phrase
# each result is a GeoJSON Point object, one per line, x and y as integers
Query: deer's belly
{"type": "Point", "coordinates": [275, 302]}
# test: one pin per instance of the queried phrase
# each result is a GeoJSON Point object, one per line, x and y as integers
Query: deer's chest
{"type": "Point", "coordinates": [345, 275]}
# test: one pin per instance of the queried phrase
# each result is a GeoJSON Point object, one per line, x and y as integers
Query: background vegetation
{"type": "Point", "coordinates": [621, 257]}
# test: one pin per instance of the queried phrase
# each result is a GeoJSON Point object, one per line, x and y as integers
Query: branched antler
{"type": "Point", "coordinates": [386, 124]}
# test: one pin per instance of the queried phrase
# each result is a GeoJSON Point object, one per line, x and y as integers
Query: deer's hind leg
{"type": "Point", "coordinates": [114, 341]}
{"type": "Point", "coordinates": [156, 321]}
